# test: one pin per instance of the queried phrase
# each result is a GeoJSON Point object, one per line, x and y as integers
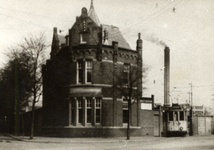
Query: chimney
{"type": "Point", "coordinates": [166, 77]}
{"type": "Point", "coordinates": [139, 46]}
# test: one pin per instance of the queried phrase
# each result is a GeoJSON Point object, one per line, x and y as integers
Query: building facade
{"type": "Point", "coordinates": [78, 80]}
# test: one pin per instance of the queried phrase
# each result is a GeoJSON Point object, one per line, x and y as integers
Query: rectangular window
{"type": "Point", "coordinates": [125, 113]}
{"type": "Point", "coordinates": [126, 73]}
{"type": "Point", "coordinates": [98, 111]}
{"type": "Point", "coordinates": [83, 38]}
{"type": "Point", "coordinates": [72, 111]}
{"type": "Point", "coordinates": [88, 71]}
{"type": "Point", "coordinates": [79, 72]}
{"type": "Point", "coordinates": [176, 116]}
{"type": "Point", "coordinates": [80, 111]}
{"type": "Point", "coordinates": [181, 116]}
{"type": "Point", "coordinates": [170, 116]}
{"type": "Point", "coordinates": [88, 106]}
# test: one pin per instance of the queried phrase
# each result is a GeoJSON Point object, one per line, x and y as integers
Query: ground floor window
{"type": "Point", "coordinates": [89, 107]}
{"type": "Point", "coordinates": [72, 111]}
{"type": "Point", "coordinates": [125, 113]}
{"type": "Point", "coordinates": [80, 111]}
{"type": "Point", "coordinates": [98, 110]}
{"type": "Point", "coordinates": [85, 110]}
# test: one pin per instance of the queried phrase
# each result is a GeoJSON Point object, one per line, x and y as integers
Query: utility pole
{"type": "Point", "coordinates": [191, 128]}
{"type": "Point", "coordinates": [191, 94]}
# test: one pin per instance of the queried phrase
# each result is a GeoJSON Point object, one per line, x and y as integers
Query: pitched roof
{"type": "Point", "coordinates": [92, 14]}
{"type": "Point", "coordinates": [114, 34]}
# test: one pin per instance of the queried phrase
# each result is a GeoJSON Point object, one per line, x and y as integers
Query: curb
{"type": "Point", "coordinates": [81, 142]}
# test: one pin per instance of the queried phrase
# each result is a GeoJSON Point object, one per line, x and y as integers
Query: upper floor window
{"type": "Point", "coordinates": [126, 73]}
{"type": "Point", "coordinates": [83, 38]}
{"type": "Point", "coordinates": [79, 71]}
{"type": "Point", "coordinates": [88, 71]}
{"type": "Point", "coordinates": [84, 71]}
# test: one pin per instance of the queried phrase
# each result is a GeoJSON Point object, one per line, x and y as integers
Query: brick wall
{"type": "Point", "coordinates": [147, 122]}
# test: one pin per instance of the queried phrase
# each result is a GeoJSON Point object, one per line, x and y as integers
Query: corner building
{"type": "Point", "coordinates": [77, 81]}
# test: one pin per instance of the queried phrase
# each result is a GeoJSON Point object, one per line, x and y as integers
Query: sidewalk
{"type": "Point", "coordinates": [39, 139]}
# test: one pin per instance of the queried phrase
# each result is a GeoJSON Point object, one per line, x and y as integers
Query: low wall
{"type": "Point", "coordinates": [203, 125]}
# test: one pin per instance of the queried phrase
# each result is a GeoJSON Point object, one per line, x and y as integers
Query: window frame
{"type": "Point", "coordinates": [79, 107]}
{"type": "Point", "coordinates": [82, 38]}
{"type": "Point", "coordinates": [88, 107]}
{"type": "Point", "coordinates": [79, 68]}
{"type": "Point", "coordinates": [73, 118]}
{"type": "Point", "coordinates": [88, 68]}
{"type": "Point", "coordinates": [98, 107]}
{"type": "Point", "coordinates": [125, 109]}
{"type": "Point", "coordinates": [126, 70]}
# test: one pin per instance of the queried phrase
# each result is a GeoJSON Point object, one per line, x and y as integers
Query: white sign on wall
{"type": "Point", "coordinates": [146, 106]}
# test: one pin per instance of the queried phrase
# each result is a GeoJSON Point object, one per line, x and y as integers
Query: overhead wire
{"type": "Point", "coordinates": [150, 18]}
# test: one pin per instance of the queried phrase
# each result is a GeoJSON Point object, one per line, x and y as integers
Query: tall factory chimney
{"type": "Point", "coordinates": [166, 77]}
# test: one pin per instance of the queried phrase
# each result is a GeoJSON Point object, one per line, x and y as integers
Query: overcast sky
{"type": "Point", "coordinates": [185, 26]}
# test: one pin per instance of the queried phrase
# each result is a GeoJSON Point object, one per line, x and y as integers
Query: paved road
{"type": "Point", "coordinates": [150, 143]}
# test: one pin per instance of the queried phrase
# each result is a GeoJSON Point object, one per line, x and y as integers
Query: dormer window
{"type": "Point", "coordinates": [83, 38]}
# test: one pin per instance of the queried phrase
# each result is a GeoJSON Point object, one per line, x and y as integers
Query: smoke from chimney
{"type": "Point", "coordinates": [153, 38]}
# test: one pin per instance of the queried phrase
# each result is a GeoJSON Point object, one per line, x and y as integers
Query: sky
{"type": "Point", "coordinates": [185, 26]}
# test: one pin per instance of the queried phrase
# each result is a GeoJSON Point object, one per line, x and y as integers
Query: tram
{"type": "Point", "coordinates": [177, 121]}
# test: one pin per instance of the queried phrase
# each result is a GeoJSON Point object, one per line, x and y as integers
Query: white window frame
{"type": "Point", "coordinates": [72, 103]}
{"type": "Point", "coordinates": [86, 70]}
{"type": "Point", "coordinates": [78, 70]}
{"type": "Point", "coordinates": [98, 107]}
{"type": "Point", "coordinates": [127, 69]}
{"type": "Point", "coordinates": [78, 108]}
{"type": "Point", "coordinates": [125, 103]}
{"type": "Point", "coordinates": [88, 107]}
{"type": "Point", "coordinates": [81, 39]}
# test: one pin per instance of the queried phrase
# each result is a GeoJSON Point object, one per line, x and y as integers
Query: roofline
{"type": "Point", "coordinates": [120, 48]}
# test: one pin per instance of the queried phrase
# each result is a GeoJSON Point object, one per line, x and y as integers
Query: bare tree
{"type": "Point", "coordinates": [32, 52]}
{"type": "Point", "coordinates": [126, 83]}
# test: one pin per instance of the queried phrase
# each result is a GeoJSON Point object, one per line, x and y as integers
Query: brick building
{"type": "Point", "coordinates": [77, 81]}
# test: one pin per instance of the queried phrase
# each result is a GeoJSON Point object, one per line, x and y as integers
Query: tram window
{"type": "Point", "coordinates": [181, 115]}
{"type": "Point", "coordinates": [170, 116]}
{"type": "Point", "coordinates": [176, 116]}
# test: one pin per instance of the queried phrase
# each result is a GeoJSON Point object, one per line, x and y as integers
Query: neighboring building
{"type": "Point", "coordinates": [198, 110]}
{"type": "Point", "coordinates": [78, 99]}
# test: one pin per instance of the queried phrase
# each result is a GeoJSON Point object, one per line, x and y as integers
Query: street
{"type": "Point", "coordinates": [136, 143]}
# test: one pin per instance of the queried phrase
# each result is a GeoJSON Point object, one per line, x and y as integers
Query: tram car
{"type": "Point", "coordinates": [177, 121]}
